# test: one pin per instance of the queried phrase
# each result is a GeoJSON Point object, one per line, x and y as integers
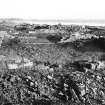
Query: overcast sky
{"type": "Point", "coordinates": [53, 9]}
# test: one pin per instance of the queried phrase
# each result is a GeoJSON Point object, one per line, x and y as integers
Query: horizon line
{"type": "Point", "coordinates": [91, 22]}
{"type": "Point", "coordinates": [65, 20]}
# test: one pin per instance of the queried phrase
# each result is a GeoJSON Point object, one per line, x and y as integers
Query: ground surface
{"type": "Point", "coordinates": [51, 64]}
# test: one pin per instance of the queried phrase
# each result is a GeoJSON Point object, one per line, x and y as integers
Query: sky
{"type": "Point", "coordinates": [53, 9]}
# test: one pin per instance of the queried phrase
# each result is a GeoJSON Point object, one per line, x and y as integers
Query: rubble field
{"type": "Point", "coordinates": [51, 64]}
